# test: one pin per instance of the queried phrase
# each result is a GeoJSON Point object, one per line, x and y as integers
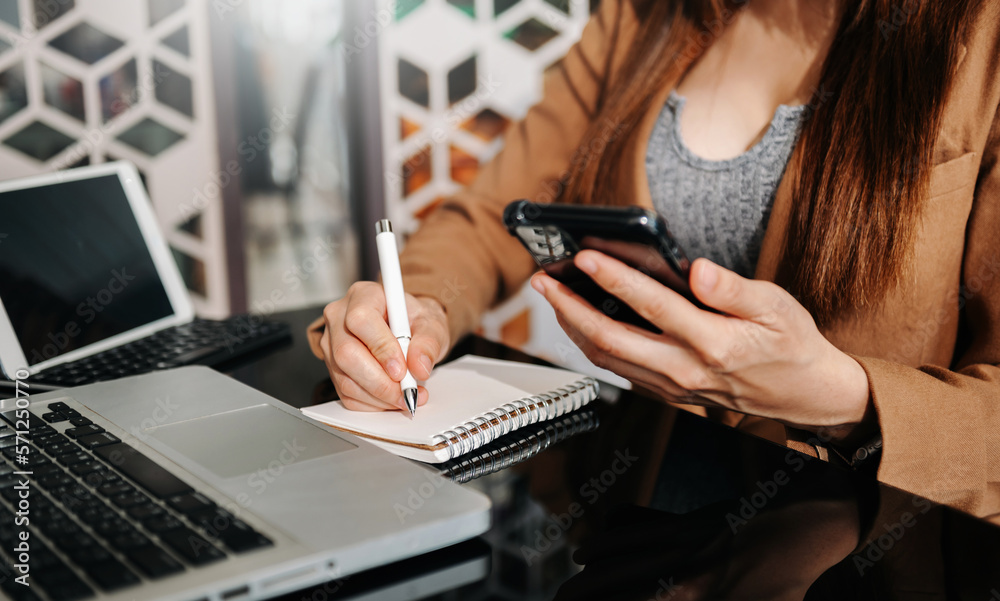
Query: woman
{"type": "Point", "coordinates": [842, 155]}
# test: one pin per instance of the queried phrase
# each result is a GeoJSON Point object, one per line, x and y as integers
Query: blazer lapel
{"type": "Point", "coordinates": [777, 223]}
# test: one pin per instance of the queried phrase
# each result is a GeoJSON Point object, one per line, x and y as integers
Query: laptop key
{"type": "Point", "coordinates": [34, 460]}
{"type": "Point", "coordinates": [97, 477]}
{"type": "Point", "coordinates": [60, 527]}
{"type": "Point", "coordinates": [145, 512]}
{"type": "Point", "coordinates": [84, 431]}
{"type": "Point", "coordinates": [90, 555]}
{"type": "Point", "coordinates": [191, 546]}
{"type": "Point", "coordinates": [96, 515]}
{"type": "Point", "coordinates": [154, 562]}
{"type": "Point", "coordinates": [127, 500]}
{"type": "Point", "coordinates": [143, 470]}
{"type": "Point", "coordinates": [101, 477]}
{"type": "Point", "coordinates": [86, 467]}
{"type": "Point", "coordinates": [45, 470]}
{"type": "Point", "coordinates": [69, 588]}
{"type": "Point", "coordinates": [53, 441]}
{"type": "Point", "coordinates": [191, 503]}
{"type": "Point", "coordinates": [54, 418]}
{"type": "Point", "coordinates": [242, 542]}
{"type": "Point", "coordinates": [61, 583]}
{"type": "Point", "coordinates": [234, 533]}
{"type": "Point", "coordinates": [115, 526]}
{"type": "Point", "coordinates": [12, 452]}
{"type": "Point", "coordinates": [39, 428]}
{"type": "Point", "coordinates": [127, 542]}
{"type": "Point", "coordinates": [115, 489]}
{"type": "Point", "coordinates": [61, 448]}
{"type": "Point", "coordinates": [44, 439]}
{"type": "Point", "coordinates": [159, 525]}
{"type": "Point", "coordinates": [54, 481]}
{"type": "Point", "coordinates": [42, 558]}
{"type": "Point", "coordinates": [210, 519]}
{"type": "Point", "coordinates": [97, 440]}
{"type": "Point", "coordinates": [73, 542]}
{"type": "Point", "coordinates": [78, 499]}
{"type": "Point", "coordinates": [111, 575]}
{"type": "Point", "coordinates": [11, 418]}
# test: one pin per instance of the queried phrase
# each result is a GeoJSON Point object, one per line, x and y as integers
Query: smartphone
{"type": "Point", "coordinates": [554, 233]}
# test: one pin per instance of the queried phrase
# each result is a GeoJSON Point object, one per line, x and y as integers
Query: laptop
{"type": "Point", "coordinates": [89, 290]}
{"type": "Point", "coordinates": [185, 484]}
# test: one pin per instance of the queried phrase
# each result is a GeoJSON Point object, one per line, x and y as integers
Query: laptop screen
{"type": "Point", "coordinates": [74, 268]}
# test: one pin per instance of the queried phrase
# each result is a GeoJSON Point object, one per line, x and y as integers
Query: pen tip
{"type": "Point", "coordinates": [410, 394]}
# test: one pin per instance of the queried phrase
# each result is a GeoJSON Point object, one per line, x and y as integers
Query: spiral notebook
{"type": "Point", "coordinates": [517, 447]}
{"type": "Point", "coordinates": [473, 401]}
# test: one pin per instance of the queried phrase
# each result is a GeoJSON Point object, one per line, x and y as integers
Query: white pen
{"type": "Point", "coordinates": [395, 301]}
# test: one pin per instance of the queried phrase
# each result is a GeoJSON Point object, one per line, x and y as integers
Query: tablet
{"type": "Point", "coordinates": [83, 267]}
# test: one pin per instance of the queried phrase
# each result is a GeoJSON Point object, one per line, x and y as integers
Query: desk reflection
{"type": "Point", "coordinates": [660, 504]}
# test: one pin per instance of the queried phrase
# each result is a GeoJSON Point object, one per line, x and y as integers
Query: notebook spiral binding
{"type": "Point", "coordinates": [514, 449]}
{"type": "Point", "coordinates": [493, 424]}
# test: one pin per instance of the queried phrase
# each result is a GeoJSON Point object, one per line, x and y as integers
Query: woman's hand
{"type": "Point", "coordinates": [764, 357]}
{"type": "Point", "coordinates": [365, 360]}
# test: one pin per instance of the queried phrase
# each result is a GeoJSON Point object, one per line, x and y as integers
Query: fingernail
{"type": "Point", "coordinates": [586, 264]}
{"type": "Point", "coordinates": [537, 284]}
{"type": "Point", "coordinates": [395, 369]}
{"type": "Point", "coordinates": [709, 275]}
{"type": "Point", "coordinates": [426, 362]}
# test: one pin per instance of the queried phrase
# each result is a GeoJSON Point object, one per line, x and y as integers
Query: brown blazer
{"type": "Point", "coordinates": [931, 349]}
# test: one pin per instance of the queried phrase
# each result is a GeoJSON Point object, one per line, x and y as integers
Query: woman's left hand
{"type": "Point", "coordinates": [764, 357]}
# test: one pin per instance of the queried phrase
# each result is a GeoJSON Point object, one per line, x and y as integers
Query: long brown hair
{"type": "Point", "coordinates": [864, 151]}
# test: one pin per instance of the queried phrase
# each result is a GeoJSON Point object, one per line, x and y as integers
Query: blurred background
{"type": "Point", "coordinates": [272, 134]}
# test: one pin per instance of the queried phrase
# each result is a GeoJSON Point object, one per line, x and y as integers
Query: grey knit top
{"type": "Point", "coordinates": [718, 209]}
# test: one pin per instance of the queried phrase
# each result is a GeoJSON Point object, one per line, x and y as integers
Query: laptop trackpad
{"type": "Point", "coordinates": [245, 441]}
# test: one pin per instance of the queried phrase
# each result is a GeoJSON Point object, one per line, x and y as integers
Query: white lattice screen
{"type": "Point", "coordinates": [453, 74]}
{"type": "Point", "coordinates": [87, 81]}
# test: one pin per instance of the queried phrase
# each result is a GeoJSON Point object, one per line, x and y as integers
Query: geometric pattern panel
{"type": "Point", "coordinates": [47, 11]}
{"type": "Point", "coordinates": [10, 14]}
{"type": "Point", "coordinates": [83, 82]}
{"type": "Point", "coordinates": [179, 41]}
{"type": "Point", "coordinates": [174, 90]}
{"type": "Point", "coordinates": [15, 93]}
{"type": "Point", "coordinates": [454, 74]}
{"type": "Point", "coordinates": [39, 141]}
{"type": "Point", "coordinates": [86, 43]}
{"type": "Point", "coordinates": [63, 92]}
{"type": "Point", "coordinates": [150, 137]}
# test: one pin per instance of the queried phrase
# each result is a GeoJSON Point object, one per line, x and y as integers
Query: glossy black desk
{"type": "Point", "coordinates": [660, 504]}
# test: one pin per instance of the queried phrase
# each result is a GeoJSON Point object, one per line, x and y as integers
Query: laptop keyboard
{"type": "Point", "coordinates": [103, 516]}
{"type": "Point", "coordinates": [202, 342]}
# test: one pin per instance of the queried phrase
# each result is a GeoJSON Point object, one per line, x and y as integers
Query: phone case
{"type": "Point", "coordinates": [554, 233]}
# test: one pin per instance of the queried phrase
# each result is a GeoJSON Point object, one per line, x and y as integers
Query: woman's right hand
{"type": "Point", "coordinates": [365, 360]}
